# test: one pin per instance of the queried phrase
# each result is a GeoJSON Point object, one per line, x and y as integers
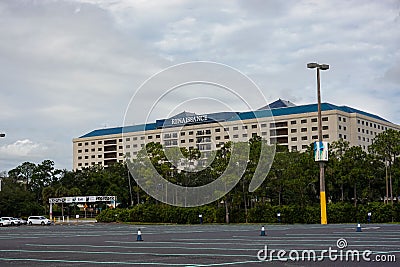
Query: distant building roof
{"type": "Point", "coordinates": [288, 109]}
{"type": "Point", "coordinates": [280, 103]}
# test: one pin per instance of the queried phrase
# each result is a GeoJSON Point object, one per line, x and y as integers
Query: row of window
{"type": "Point", "coordinates": [99, 156]}
{"type": "Point", "coordinates": [367, 131]}
{"type": "Point", "coordinates": [305, 138]}
{"type": "Point", "coordinates": [370, 124]}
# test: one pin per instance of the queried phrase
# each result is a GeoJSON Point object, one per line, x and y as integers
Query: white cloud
{"type": "Point", "coordinates": [22, 148]}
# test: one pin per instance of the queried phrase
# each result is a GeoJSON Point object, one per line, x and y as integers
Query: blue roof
{"type": "Point", "coordinates": [233, 116]}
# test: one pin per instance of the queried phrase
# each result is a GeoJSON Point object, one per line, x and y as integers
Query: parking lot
{"type": "Point", "coordinates": [91, 244]}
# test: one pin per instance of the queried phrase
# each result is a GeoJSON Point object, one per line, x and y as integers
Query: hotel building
{"type": "Point", "coordinates": [280, 122]}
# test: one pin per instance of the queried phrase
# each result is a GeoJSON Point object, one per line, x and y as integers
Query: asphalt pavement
{"type": "Point", "coordinates": [99, 244]}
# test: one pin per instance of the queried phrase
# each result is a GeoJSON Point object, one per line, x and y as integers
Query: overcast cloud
{"type": "Point", "coordinates": [69, 67]}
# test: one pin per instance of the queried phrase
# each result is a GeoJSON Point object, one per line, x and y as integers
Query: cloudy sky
{"type": "Point", "coordinates": [69, 67]}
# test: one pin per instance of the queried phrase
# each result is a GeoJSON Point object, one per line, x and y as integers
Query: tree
{"type": "Point", "coordinates": [386, 145]}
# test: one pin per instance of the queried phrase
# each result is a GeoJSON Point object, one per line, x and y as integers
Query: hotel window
{"type": "Point", "coordinates": [367, 132]}
{"type": "Point", "coordinates": [325, 127]}
{"type": "Point", "coordinates": [294, 148]}
{"type": "Point", "coordinates": [190, 132]}
{"type": "Point", "coordinates": [316, 128]}
{"type": "Point", "coordinates": [345, 137]}
{"type": "Point", "coordinates": [120, 154]}
{"type": "Point", "coordinates": [344, 128]}
{"type": "Point", "coordinates": [157, 136]}
{"type": "Point", "coordinates": [254, 135]}
{"type": "Point", "coordinates": [218, 138]}
{"type": "Point", "coordinates": [80, 157]}
{"type": "Point", "coordinates": [217, 130]}
{"type": "Point", "coordinates": [86, 143]}
{"type": "Point", "coordinates": [100, 156]}
{"type": "Point", "coordinates": [264, 133]}
{"type": "Point", "coordinates": [142, 138]}
{"type": "Point", "coordinates": [358, 121]}
{"type": "Point", "coordinates": [128, 146]}
{"type": "Point", "coordinates": [93, 143]}
{"type": "Point", "coordinates": [150, 137]}
{"type": "Point", "coordinates": [99, 149]}
{"type": "Point", "coordinates": [315, 119]}
{"type": "Point", "coordinates": [93, 156]}
{"type": "Point", "coordinates": [293, 130]}
{"type": "Point", "coordinates": [99, 142]}
{"type": "Point", "coordinates": [359, 137]}
{"type": "Point", "coordinates": [244, 127]}
{"type": "Point", "coordinates": [226, 129]}
{"type": "Point", "coordinates": [359, 130]}
{"type": "Point", "coordinates": [86, 150]}
{"type": "Point", "coordinates": [304, 121]}
{"type": "Point", "coordinates": [326, 136]}
{"type": "Point", "coordinates": [80, 151]}
{"type": "Point", "coordinates": [263, 125]}
{"type": "Point", "coordinates": [244, 135]}
{"type": "Point", "coordinates": [128, 139]}
{"type": "Point", "coordinates": [304, 146]}
{"type": "Point", "coordinates": [226, 137]}
{"type": "Point", "coordinates": [304, 138]}
{"type": "Point", "coordinates": [254, 126]}
{"type": "Point", "coordinates": [235, 128]}
{"type": "Point", "coordinates": [362, 123]}
{"type": "Point", "coordinates": [293, 122]}
{"type": "Point", "coordinates": [120, 147]}
{"type": "Point", "coordinates": [340, 127]}
{"type": "Point", "coordinates": [191, 140]}
{"type": "Point", "coordinates": [374, 125]}
{"type": "Point", "coordinates": [93, 150]}
{"type": "Point", "coordinates": [325, 119]}
{"type": "Point", "coordinates": [134, 145]}
{"type": "Point", "coordinates": [315, 137]}
{"type": "Point", "coordinates": [294, 139]}
{"type": "Point", "coordinates": [86, 164]}
{"type": "Point", "coordinates": [340, 136]}
{"type": "Point", "coordinates": [86, 157]}
{"type": "Point", "coordinates": [182, 141]}
{"type": "Point", "coordinates": [119, 140]}
{"type": "Point", "coordinates": [235, 136]}
{"type": "Point", "coordinates": [174, 135]}
{"type": "Point", "coordinates": [344, 119]}
{"type": "Point", "coordinates": [340, 119]}
{"type": "Point", "coordinates": [208, 131]}
{"type": "Point", "coordinates": [363, 131]}
{"type": "Point", "coordinates": [182, 133]}
{"type": "Point", "coordinates": [134, 138]}
{"type": "Point", "coordinates": [303, 130]}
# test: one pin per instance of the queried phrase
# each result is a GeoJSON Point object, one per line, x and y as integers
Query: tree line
{"type": "Point", "coordinates": [356, 181]}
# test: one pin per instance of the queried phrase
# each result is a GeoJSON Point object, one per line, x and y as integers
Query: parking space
{"type": "Point", "coordinates": [199, 245]}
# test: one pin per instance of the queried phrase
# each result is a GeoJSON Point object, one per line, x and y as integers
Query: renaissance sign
{"type": "Point", "coordinates": [191, 119]}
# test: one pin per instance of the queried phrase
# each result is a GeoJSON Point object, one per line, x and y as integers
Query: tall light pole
{"type": "Point", "coordinates": [324, 219]}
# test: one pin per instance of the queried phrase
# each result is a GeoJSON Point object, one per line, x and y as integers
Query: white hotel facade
{"type": "Point", "coordinates": [280, 122]}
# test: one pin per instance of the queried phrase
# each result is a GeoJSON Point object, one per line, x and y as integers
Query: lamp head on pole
{"type": "Point", "coordinates": [319, 66]}
{"type": "Point", "coordinates": [312, 65]}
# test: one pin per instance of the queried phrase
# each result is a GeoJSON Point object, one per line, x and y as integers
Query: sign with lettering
{"type": "Point", "coordinates": [81, 199]}
{"type": "Point", "coordinates": [191, 119]}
